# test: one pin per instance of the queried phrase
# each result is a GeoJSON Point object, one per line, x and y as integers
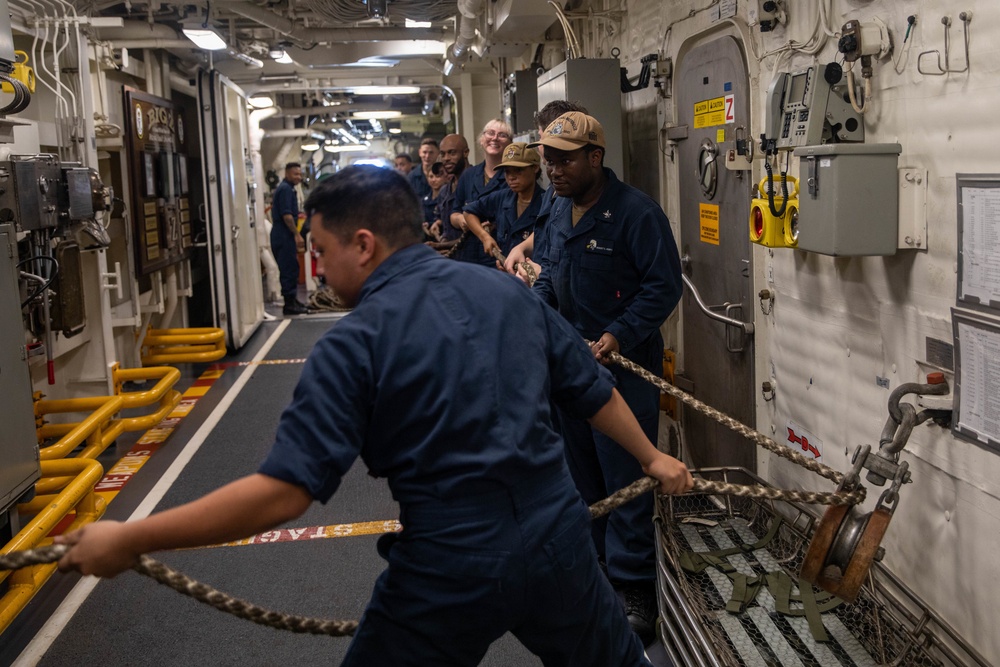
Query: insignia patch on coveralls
{"type": "Point", "coordinates": [601, 246]}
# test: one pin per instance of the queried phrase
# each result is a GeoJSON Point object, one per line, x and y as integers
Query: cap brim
{"type": "Point", "coordinates": [518, 163]}
{"type": "Point", "coordinates": [559, 143]}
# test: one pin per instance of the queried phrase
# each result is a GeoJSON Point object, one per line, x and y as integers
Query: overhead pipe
{"type": "Point", "coordinates": [136, 30]}
{"type": "Point", "coordinates": [468, 21]}
{"type": "Point", "coordinates": [297, 133]}
{"type": "Point", "coordinates": [291, 28]}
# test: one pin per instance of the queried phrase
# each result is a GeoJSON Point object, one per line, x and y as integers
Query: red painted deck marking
{"type": "Point", "coordinates": [121, 473]}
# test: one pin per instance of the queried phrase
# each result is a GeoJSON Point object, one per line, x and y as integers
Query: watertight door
{"type": "Point", "coordinates": [237, 291]}
{"type": "Point", "coordinates": [713, 103]}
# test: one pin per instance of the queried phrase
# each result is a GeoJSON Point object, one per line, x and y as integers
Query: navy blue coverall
{"type": "Point", "coordinates": [500, 208]}
{"type": "Point", "coordinates": [617, 271]}
{"type": "Point", "coordinates": [418, 181]}
{"type": "Point", "coordinates": [495, 535]}
{"type": "Point", "coordinates": [284, 201]}
{"type": "Point", "coordinates": [471, 186]}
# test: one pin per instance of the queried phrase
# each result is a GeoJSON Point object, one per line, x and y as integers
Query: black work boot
{"type": "Point", "coordinates": [640, 607]}
{"type": "Point", "coordinates": [294, 307]}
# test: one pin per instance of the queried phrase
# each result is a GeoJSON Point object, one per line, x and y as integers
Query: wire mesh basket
{"type": "Point", "coordinates": [886, 625]}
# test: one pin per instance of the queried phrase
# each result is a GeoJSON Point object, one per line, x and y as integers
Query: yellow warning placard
{"type": "Point", "coordinates": [708, 216]}
{"type": "Point", "coordinates": [709, 113]}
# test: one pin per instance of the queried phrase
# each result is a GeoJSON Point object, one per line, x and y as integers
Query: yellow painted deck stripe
{"type": "Point", "coordinates": [316, 532]}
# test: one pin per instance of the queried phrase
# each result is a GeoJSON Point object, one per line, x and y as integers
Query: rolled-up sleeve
{"type": "Point", "coordinates": [321, 432]}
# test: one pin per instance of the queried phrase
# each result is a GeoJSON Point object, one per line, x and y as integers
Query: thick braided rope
{"type": "Point", "coordinates": [201, 592]}
{"type": "Point", "coordinates": [724, 419]}
{"type": "Point", "coordinates": [528, 269]}
{"type": "Point", "coordinates": [452, 250]}
{"type": "Point", "coordinates": [637, 488]}
{"type": "Point", "coordinates": [837, 498]}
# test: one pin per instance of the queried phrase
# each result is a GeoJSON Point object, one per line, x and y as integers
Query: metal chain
{"type": "Point", "coordinates": [844, 497]}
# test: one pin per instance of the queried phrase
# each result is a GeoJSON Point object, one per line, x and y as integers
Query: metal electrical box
{"type": "Point", "coordinates": [521, 100]}
{"type": "Point", "coordinates": [30, 188]}
{"type": "Point", "coordinates": [848, 199]}
{"type": "Point", "coordinates": [19, 468]}
{"type": "Point", "coordinates": [596, 84]}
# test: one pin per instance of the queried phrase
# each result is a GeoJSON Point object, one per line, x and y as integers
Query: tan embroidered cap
{"type": "Point", "coordinates": [571, 131]}
{"type": "Point", "coordinates": [519, 155]}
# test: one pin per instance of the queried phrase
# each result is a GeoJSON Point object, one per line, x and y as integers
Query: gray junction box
{"type": "Point", "coordinates": [596, 84]}
{"type": "Point", "coordinates": [18, 446]}
{"type": "Point", "coordinates": [848, 199]}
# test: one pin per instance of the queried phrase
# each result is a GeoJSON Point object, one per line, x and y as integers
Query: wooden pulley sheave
{"type": "Point", "coordinates": [847, 540]}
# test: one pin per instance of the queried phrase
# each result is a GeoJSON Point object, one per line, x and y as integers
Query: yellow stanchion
{"type": "Point", "coordinates": [176, 346]}
{"type": "Point", "coordinates": [100, 429]}
{"type": "Point", "coordinates": [78, 495]}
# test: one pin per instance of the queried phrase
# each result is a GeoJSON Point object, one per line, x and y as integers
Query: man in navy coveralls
{"type": "Point", "coordinates": [495, 536]}
{"type": "Point", "coordinates": [611, 267]}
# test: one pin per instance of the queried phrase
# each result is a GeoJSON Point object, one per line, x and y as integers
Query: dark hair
{"type": "Point", "coordinates": [437, 168]}
{"type": "Point", "coordinates": [429, 141]}
{"type": "Point", "coordinates": [292, 165]}
{"type": "Point", "coordinates": [405, 156]}
{"type": "Point", "coordinates": [554, 109]}
{"type": "Point", "coordinates": [367, 197]}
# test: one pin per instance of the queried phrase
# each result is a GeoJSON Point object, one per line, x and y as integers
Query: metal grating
{"type": "Point", "coordinates": [887, 625]}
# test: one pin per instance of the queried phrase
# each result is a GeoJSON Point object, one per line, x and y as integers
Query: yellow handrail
{"type": "Point", "coordinates": [166, 377]}
{"type": "Point", "coordinates": [74, 434]}
{"type": "Point", "coordinates": [78, 495]}
{"type": "Point", "coordinates": [194, 345]}
{"type": "Point", "coordinates": [100, 429]}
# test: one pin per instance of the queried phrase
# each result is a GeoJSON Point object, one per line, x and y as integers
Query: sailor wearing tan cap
{"type": "Point", "coordinates": [512, 211]}
{"type": "Point", "coordinates": [611, 267]}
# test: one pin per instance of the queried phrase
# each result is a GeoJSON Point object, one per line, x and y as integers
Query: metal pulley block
{"type": "Point", "coordinates": [842, 550]}
{"type": "Point", "coordinates": [847, 540]}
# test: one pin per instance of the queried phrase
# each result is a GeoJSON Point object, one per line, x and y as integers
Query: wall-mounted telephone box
{"type": "Point", "coordinates": [848, 201]}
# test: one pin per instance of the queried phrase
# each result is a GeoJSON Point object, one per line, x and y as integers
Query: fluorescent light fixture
{"type": "Point", "coordinates": [410, 23]}
{"type": "Point", "coordinates": [345, 148]}
{"type": "Point", "coordinates": [311, 146]}
{"type": "Point", "coordinates": [260, 101]}
{"type": "Point", "coordinates": [348, 136]}
{"type": "Point", "coordinates": [385, 90]}
{"type": "Point", "coordinates": [249, 61]}
{"type": "Point", "coordinates": [284, 59]}
{"type": "Point", "coordinates": [395, 130]}
{"type": "Point", "coordinates": [205, 37]}
{"type": "Point", "coordinates": [368, 115]}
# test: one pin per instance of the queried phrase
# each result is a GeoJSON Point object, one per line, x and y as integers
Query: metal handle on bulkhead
{"type": "Point", "coordinates": [743, 328]}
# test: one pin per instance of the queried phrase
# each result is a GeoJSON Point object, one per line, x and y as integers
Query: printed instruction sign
{"type": "Point", "coordinates": [708, 215]}
{"type": "Point", "coordinates": [979, 252]}
{"type": "Point", "coordinates": [709, 113]}
{"type": "Point", "coordinates": [977, 380]}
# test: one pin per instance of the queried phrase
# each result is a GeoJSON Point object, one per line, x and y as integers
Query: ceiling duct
{"type": "Point", "coordinates": [468, 22]}
{"type": "Point", "coordinates": [325, 35]}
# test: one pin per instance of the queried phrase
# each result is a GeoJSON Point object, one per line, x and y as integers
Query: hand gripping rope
{"type": "Point", "coordinates": [846, 496]}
